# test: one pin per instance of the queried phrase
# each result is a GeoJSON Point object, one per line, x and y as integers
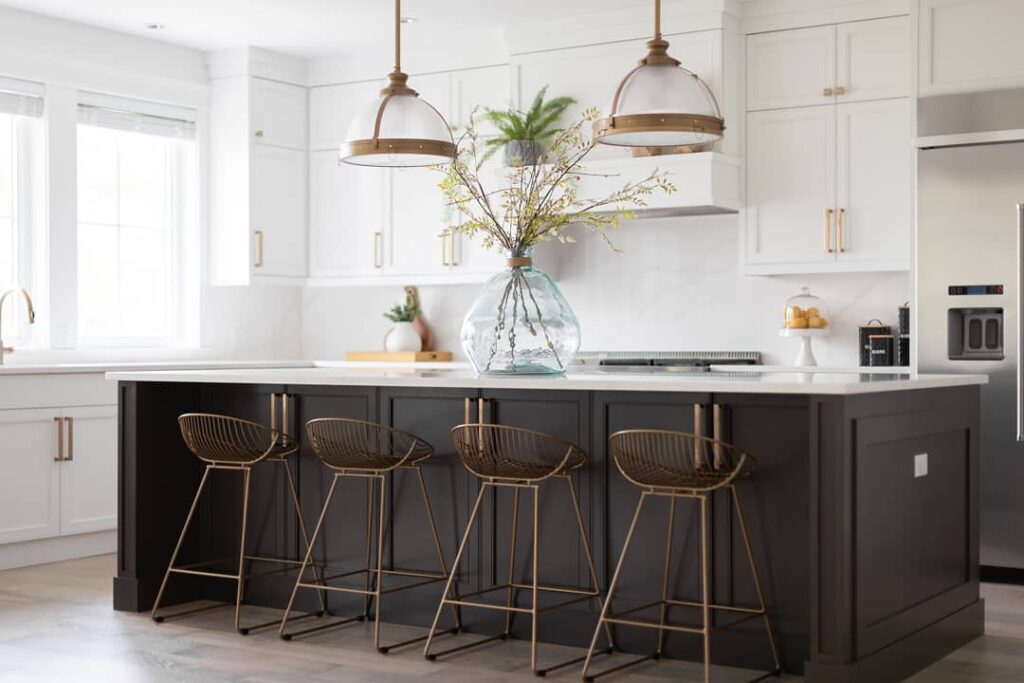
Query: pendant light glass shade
{"type": "Point", "coordinates": [661, 104]}
{"type": "Point", "coordinates": [398, 128]}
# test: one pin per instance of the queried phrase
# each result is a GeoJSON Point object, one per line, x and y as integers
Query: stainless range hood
{"type": "Point", "coordinates": [707, 183]}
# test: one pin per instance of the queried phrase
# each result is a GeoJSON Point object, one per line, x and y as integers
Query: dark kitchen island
{"type": "Point", "coordinates": [870, 564]}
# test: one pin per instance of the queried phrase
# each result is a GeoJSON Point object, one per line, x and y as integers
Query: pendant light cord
{"type": "Point", "coordinates": [657, 19]}
{"type": "Point", "coordinates": [398, 35]}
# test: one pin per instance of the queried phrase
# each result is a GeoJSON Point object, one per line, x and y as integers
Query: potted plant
{"type": "Point", "coordinates": [521, 323]}
{"type": "Point", "coordinates": [403, 335]}
{"type": "Point", "coordinates": [523, 134]}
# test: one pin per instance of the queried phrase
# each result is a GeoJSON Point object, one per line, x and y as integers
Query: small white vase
{"type": "Point", "coordinates": [403, 338]}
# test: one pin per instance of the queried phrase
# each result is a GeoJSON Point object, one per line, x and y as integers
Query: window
{"type": "Point", "coordinates": [136, 208]}
{"type": "Point", "coordinates": [21, 106]}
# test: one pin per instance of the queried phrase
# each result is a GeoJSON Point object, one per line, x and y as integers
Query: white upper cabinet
{"type": "Point", "coordinates": [873, 60]}
{"type": "Point", "coordinates": [794, 68]}
{"type": "Point", "coordinates": [348, 217]}
{"type": "Point", "coordinates": [279, 114]}
{"type": "Point", "coordinates": [333, 107]}
{"type": "Point", "coordinates": [488, 87]}
{"type": "Point", "coordinates": [970, 45]}
{"type": "Point", "coordinates": [279, 205]}
{"type": "Point", "coordinates": [874, 175]}
{"type": "Point", "coordinates": [789, 212]}
{"type": "Point", "coordinates": [258, 191]}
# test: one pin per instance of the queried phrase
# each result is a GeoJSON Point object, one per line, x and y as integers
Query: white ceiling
{"type": "Point", "coordinates": [311, 28]}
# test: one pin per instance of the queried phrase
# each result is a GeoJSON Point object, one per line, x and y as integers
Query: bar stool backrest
{"type": "Point", "coordinates": [347, 444]}
{"type": "Point", "coordinates": [220, 439]}
{"type": "Point", "coordinates": [678, 460]}
{"type": "Point", "coordinates": [502, 452]}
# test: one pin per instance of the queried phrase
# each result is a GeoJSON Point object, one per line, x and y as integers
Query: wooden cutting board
{"type": "Point", "coordinates": [400, 356]}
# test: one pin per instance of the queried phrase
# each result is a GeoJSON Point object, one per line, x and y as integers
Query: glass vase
{"type": "Point", "coordinates": [520, 324]}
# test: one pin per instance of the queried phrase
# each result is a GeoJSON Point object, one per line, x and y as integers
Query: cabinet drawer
{"type": "Point", "coordinates": [55, 390]}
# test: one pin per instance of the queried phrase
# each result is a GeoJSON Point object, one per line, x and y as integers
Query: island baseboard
{"type": "Point", "coordinates": [906, 657]}
{"type": "Point", "coordinates": [1008, 575]}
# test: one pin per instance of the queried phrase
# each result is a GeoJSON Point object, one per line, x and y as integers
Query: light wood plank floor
{"type": "Point", "coordinates": [56, 624]}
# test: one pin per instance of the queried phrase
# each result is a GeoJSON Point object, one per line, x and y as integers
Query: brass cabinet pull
{"type": "Point", "coordinates": [258, 133]}
{"type": "Point", "coordinates": [840, 90]}
{"type": "Point", "coordinates": [480, 403]}
{"type": "Point", "coordinates": [378, 257]}
{"type": "Point", "coordinates": [827, 92]}
{"type": "Point", "coordinates": [451, 247]}
{"type": "Point", "coordinates": [698, 419]}
{"type": "Point", "coordinates": [839, 231]}
{"type": "Point", "coordinates": [273, 411]}
{"type": "Point", "coordinates": [718, 431]}
{"type": "Point", "coordinates": [285, 400]}
{"type": "Point", "coordinates": [466, 418]}
{"type": "Point", "coordinates": [70, 422]}
{"type": "Point", "coordinates": [259, 249]}
{"type": "Point", "coordinates": [444, 247]}
{"type": "Point", "coordinates": [59, 421]}
{"type": "Point", "coordinates": [828, 231]}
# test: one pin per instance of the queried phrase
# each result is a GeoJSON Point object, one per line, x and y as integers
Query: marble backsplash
{"type": "Point", "coordinates": [676, 286]}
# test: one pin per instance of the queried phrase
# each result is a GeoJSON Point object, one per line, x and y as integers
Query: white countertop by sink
{"type": "Point", "coordinates": [750, 379]}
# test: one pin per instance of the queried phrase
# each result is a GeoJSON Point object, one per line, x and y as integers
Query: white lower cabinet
{"type": "Point", "coordinates": [59, 472]}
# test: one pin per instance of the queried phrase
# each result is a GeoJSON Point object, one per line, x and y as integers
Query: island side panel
{"type": "Point", "coordinates": [897, 583]}
{"type": "Point", "coordinates": [157, 479]}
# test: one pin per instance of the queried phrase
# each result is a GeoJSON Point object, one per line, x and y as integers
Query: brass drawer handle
{"type": "Point", "coordinates": [70, 422]}
{"type": "Point", "coordinates": [827, 92]}
{"type": "Point", "coordinates": [451, 247]}
{"type": "Point", "coordinates": [444, 248]}
{"type": "Point", "coordinates": [259, 249]}
{"type": "Point", "coordinates": [840, 90]}
{"type": "Point", "coordinates": [378, 258]}
{"type": "Point", "coordinates": [258, 133]}
{"type": "Point", "coordinates": [828, 231]}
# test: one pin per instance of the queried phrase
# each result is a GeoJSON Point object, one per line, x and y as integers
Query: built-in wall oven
{"type": "Point", "coordinates": [970, 218]}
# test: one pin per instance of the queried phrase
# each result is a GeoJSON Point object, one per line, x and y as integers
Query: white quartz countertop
{"type": "Point", "coordinates": [102, 367]}
{"type": "Point", "coordinates": [750, 380]}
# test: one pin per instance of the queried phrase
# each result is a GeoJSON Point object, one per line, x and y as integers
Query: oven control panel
{"type": "Point", "coordinates": [974, 290]}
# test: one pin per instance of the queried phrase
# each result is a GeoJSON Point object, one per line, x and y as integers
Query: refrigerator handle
{"type": "Point", "coordinates": [1020, 324]}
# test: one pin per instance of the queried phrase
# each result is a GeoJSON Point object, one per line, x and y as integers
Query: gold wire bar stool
{"type": "Point", "coordinates": [235, 445]}
{"type": "Point", "coordinates": [677, 465]}
{"type": "Point", "coordinates": [371, 451]}
{"type": "Point", "coordinates": [510, 457]}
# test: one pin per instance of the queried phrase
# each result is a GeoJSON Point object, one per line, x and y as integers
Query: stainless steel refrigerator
{"type": "Point", "coordinates": [970, 218]}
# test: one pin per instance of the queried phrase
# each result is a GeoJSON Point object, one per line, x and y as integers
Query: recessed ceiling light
{"type": "Point", "coordinates": [154, 26]}
{"type": "Point", "coordinates": [408, 20]}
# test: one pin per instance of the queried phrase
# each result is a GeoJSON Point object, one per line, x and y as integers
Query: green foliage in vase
{"type": "Point", "coordinates": [537, 124]}
{"type": "Point", "coordinates": [538, 203]}
{"type": "Point", "coordinates": [403, 313]}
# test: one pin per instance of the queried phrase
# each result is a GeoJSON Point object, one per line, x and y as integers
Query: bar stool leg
{"type": "Point", "coordinates": [322, 595]}
{"type": "Point", "coordinates": [608, 600]}
{"type": "Point", "coordinates": [380, 561]}
{"type": "Point", "coordinates": [757, 580]}
{"type": "Point", "coordinates": [177, 546]}
{"type": "Point", "coordinates": [536, 555]}
{"type": "Point", "coordinates": [370, 497]}
{"type": "Point", "coordinates": [662, 633]}
{"type": "Point", "coordinates": [456, 610]}
{"type": "Point", "coordinates": [590, 557]}
{"type": "Point", "coordinates": [705, 585]}
{"type": "Point", "coordinates": [246, 472]}
{"type": "Point", "coordinates": [451, 576]}
{"type": "Point", "coordinates": [306, 560]}
{"type": "Point", "coordinates": [510, 600]}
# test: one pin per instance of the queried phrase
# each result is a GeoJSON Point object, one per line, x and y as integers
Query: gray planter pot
{"type": "Point", "coordinates": [522, 152]}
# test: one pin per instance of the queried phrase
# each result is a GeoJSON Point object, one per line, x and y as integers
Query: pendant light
{"type": "Point", "coordinates": [660, 104]}
{"type": "Point", "coordinates": [398, 128]}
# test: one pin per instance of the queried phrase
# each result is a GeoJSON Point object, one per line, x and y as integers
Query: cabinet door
{"type": "Point", "coordinates": [791, 68]}
{"type": "Point", "coordinates": [348, 216]}
{"type": "Point", "coordinates": [279, 114]}
{"type": "Point", "coordinates": [970, 45]}
{"type": "Point", "coordinates": [279, 199]}
{"type": "Point", "coordinates": [418, 209]}
{"type": "Point", "coordinates": [874, 170]}
{"type": "Point", "coordinates": [873, 60]}
{"type": "Point", "coordinates": [332, 109]}
{"type": "Point", "coordinates": [478, 89]}
{"type": "Point", "coordinates": [30, 483]}
{"type": "Point", "coordinates": [791, 160]}
{"type": "Point", "coordinates": [88, 482]}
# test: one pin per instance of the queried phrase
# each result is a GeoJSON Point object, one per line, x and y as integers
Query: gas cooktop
{"type": "Point", "coordinates": [663, 361]}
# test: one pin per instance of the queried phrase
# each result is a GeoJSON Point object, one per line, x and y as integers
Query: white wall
{"type": "Point", "coordinates": [677, 287]}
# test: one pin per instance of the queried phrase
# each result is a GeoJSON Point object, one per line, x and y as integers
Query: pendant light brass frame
{"type": "Point", "coordinates": [397, 87]}
{"type": "Point", "coordinates": [657, 55]}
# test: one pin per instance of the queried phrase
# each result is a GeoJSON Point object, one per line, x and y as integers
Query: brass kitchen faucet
{"type": "Point", "coordinates": [31, 317]}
